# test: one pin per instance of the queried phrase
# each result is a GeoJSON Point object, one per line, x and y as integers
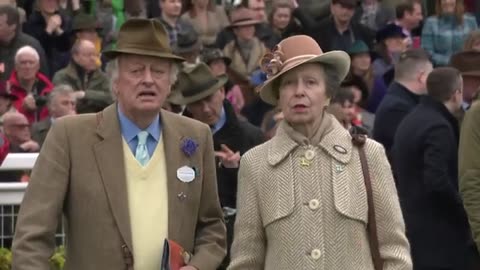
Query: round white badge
{"type": "Point", "coordinates": [185, 174]}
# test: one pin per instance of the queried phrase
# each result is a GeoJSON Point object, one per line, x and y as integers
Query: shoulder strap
{"type": "Point", "coordinates": [359, 141]}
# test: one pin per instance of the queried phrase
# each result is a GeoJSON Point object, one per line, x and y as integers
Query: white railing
{"type": "Point", "coordinates": [11, 196]}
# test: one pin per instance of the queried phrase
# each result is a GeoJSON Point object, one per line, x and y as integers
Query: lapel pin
{"type": "Point", "coordinates": [185, 174]}
{"type": "Point", "coordinates": [304, 162]}
{"type": "Point", "coordinates": [340, 149]}
{"type": "Point", "coordinates": [339, 168]}
{"type": "Point", "coordinates": [181, 196]}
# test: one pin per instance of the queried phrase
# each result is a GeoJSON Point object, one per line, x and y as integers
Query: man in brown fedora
{"type": "Point", "coordinates": [203, 94]}
{"type": "Point", "coordinates": [109, 174]}
{"type": "Point", "coordinates": [467, 63]}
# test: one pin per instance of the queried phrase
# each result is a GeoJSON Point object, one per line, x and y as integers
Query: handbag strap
{"type": "Point", "coordinates": [359, 141]}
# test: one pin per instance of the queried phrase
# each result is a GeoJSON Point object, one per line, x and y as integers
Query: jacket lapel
{"type": "Point", "coordinates": [109, 157]}
{"type": "Point", "coordinates": [255, 55]}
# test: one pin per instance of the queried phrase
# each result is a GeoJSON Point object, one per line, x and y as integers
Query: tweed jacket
{"type": "Point", "coordinates": [245, 68]}
{"type": "Point", "coordinates": [81, 172]}
{"type": "Point", "coordinates": [314, 217]}
{"type": "Point", "coordinates": [40, 130]}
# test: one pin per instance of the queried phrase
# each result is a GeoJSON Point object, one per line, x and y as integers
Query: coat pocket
{"type": "Point", "coordinates": [276, 193]}
{"type": "Point", "coordinates": [349, 192]}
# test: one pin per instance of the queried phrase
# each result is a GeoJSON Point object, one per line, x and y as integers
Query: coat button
{"type": "Point", "coordinates": [314, 204]}
{"type": "Point", "coordinates": [316, 254]}
{"type": "Point", "coordinates": [309, 154]}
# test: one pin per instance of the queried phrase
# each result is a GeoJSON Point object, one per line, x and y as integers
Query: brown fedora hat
{"type": "Point", "coordinates": [194, 84]}
{"type": "Point", "coordinates": [143, 37]}
{"type": "Point", "coordinates": [242, 16]}
{"type": "Point", "coordinates": [288, 55]}
{"type": "Point", "coordinates": [467, 63]}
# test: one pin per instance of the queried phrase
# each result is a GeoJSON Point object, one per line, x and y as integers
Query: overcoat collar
{"type": "Point", "coordinates": [109, 157]}
{"type": "Point", "coordinates": [336, 143]}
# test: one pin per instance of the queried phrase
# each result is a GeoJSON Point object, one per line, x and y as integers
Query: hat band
{"type": "Point", "coordinates": [199, 88]}
{"type": "Point", "coordinates": [243, 20]}
{"type": "Point", "coordinates": [295, 59]}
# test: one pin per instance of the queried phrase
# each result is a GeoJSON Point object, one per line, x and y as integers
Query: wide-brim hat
{"type": "Point", "coordinates": [84, 21]}
{"type": "Point", "coordinates": [242, 16]}
{"type": "Point", "coordinates": [467, 62]}
{"type": "Point", "coordinates": [146, 37]}
{"type": "Point", "coordinates": [211, 54]}
{"type": "Point", "coordinates": [389, 31]}
{"type": "Point", "coordinates": [358, 47]}
{"type": "Point", "coordinates": [288, 55]}
{"type": "Point", "coordinates": [194, 84]}
{"type": "Point", "coordinates": [187, 41]}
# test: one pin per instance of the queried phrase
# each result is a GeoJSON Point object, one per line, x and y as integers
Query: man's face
{"type": "Point", "coordinates": [423, 75]}
{"type": "Point", "coordinates": [171, 8]}
{"type": "Point", "coordinates": [209, 109]}
{"type": "Point", "coordinates": [258, 8]}
{"type": "Point", "coordinates": [27, 66]}
{"type": "Point", "coordinates": [62, 105]}
{"type": "Point", "coordinates": [413, 18]}
{"type": "Point", "coordinates": [143, 84]}
{"type": "Point", "coordinates": [218, 67]}
{"type": "Point", "coordinates": [6, 31]}
{"type": "Point", "coordinates": [17, 130]}
{"type": "Point", "coordinates": [4, 104]}
{"type": "Point", "coordinates": [244, 33]}
{"type": "Point", "coordinates": [86, 57]}
{"type": "Point", "coordinates": [342, 13]}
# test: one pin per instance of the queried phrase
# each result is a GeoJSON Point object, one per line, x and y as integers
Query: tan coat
{"type": "Point", "coordinates": [81, 173]}
{"type": "Point", "coordinates": [216, 21]}
{"type": "Point", "coordinates": [296, 217]}
{"type": "Point", "coordinates": [245, 68]}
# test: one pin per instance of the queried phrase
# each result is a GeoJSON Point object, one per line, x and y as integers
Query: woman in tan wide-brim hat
{"type": "Point", "coordinates": [302, 198]}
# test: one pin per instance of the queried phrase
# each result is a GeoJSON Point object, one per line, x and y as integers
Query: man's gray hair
{"type": "Point", "coordinates": [112, 72]}
{"type": "Point", "coordinates": [27, 50]}
{"type": "Point", "coordinates": [59, 90]}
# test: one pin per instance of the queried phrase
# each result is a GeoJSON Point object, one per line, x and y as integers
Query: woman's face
{"type": "Point", "coordinates": [448, 6]}
{"type": "Point", "coordinates": [49, 6]}
{"type": "Point", "coordinates": [395, 44]}
{"type": "Point", "coordinates": [476, 46]}
{"type": "Point", "coordinates": [245, 33]}
{"type": "Point", "coordinates": [302, 94]}
{"type": "Point", "coordinates": [361, 62]}
{"type": "Point", "coordinates": [281, 18]}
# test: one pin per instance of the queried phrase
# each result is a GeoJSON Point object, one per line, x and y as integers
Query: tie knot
{"type": "Point", "coordinates": [142, 137]}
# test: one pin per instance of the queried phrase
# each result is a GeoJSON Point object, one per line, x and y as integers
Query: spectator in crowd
{"type": "Point", "coordinates": [282, 21]}
{"type": "Point", "coordinates": [472, 43]}
{"type": "Point", "coordinates": [91, 85]}
{"type": "Point", "coordinates": [409, 16]}
{"type": "Point", "coordinates": [468, 63]}
{"type": "Point", "coordinates": [17, 130]}
{"type": "Point", "coordinates": [361, 65]}
{"type": "Point", "coordinates": [362, 117]}
{"type": "Point", "coordinates": [91, 166]}
{"type": "Point", "coordinates": [171, 20]}
{"type": "Point", "coordinates": [390, 44]}
{"type": "Point", "coordinates": [297, 163]}
{"type": "Point", "coordinates": [339, 31]}
{"type": "Point", "coordinates": [342, 107]}
{"type": "Point", "coordinates": [29, 85]}
{"type": "Point", "coordinates": [207, 18]}
{"type": "Point", "coordinates": [6, 102]}
{"type": "Point", "coordinates": [85, 27]}
{"type": "Point", "coordinates": [403, 95]}
{"type": "Point", "coordinates": [256, 110]}
{"type": "Point", "coordinates": [218, 64]}
{"type": "Point", "coordinates": [204, 96]}
{"type": "Point", "coordinates": [444, 33]}
{"type": "Point", "coordinates": [246, 49]}
{"type": "Point", "coordinates": [11, 39]}
{"type": "Point", "coordinates": [263, 30]}
{"type": "Point", "coordinates": [374, 14]}
{"type": "Point", "coordinates": [61, 102]}
{"type": "Point", "coordinates": [53, 30]}
{"type": "Point", "coordinates": [21, 12]}
{"type": "Point", "coordinates": [425, 161]}
{"type": "Point", "coordinates": [188, 46]}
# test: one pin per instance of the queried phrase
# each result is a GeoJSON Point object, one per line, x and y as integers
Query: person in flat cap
{"type": "Point", "coordinates": [390, 45]}
{"type": "Point", "coordinates": [305, 185]}
{"type": "Point", "coordinates": [203, 94]}
{"type": "Point", "coordinates": [132, 176]}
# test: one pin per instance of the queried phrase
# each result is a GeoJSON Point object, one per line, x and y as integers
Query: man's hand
{"type": "Point", "coordinates": [228, 158]}
{"type": "Point", "coordinates": [188, 267]}
{"type": "Point", "coordinates": [294, 3]}
{"type": "Point", "coordinates": [29, 103]}
{"type": "Point", "coordinates": [30, 146]}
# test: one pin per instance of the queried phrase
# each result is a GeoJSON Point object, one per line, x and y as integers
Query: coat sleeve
{"type": "Point", "coordinates": [393, 243]}
{"type": "Point", "coordinates": [210, 236]}
{"type": "Point", "coordinates": [248, 249]}
{"type": "Point", "coordinates": [469, 168]}
{"type": "Point", "coordinates": [42, 205]}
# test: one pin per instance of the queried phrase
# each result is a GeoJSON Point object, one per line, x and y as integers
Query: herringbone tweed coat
{"type": "Point", "coordinates": [314, 217]}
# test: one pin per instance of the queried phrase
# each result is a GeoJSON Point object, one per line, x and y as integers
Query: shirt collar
{"type": "Point", "coordinates": [130, 129]}
{"type": "Point", "coordinates": [221, 122]}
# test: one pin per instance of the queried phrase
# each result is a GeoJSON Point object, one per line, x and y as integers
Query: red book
{"type": "Point", "coordinates": [174, 256]}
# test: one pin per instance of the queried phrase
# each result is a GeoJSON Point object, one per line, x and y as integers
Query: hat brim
{"type": "Point", "coordinates": [111, 54]}
{"type": "Point", "coordinates": [195, 47]}
{"type": "Point", "coordinates": [339, 60]}
{"type": "Point", "coordinates": [244, 23]}
{"type": "Point", "coordinates": [177, 98]}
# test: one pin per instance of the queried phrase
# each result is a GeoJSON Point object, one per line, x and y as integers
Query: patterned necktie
{"type": "Point", "coordinates": [141, 153]}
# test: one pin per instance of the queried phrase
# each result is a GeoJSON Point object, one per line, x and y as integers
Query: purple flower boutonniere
{"type": "Point", "coordinates": [189, 146]}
